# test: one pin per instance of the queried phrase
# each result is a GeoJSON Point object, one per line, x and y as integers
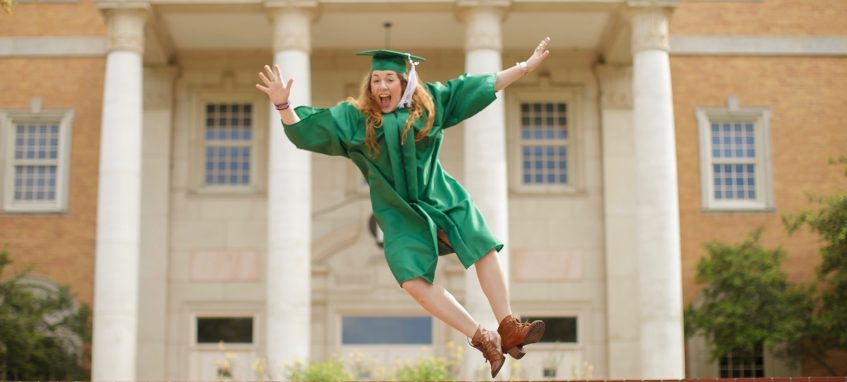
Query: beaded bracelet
{"type": "Point", "coordinates": [282, 106]}
{"type": "Point", "coordinates": [522, 66]}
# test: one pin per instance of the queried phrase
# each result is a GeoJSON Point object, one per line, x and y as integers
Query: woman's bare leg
{"type": "Point", "coordinates": [493, 284]}
{"type": "Point", "coordinates": [441, 304]}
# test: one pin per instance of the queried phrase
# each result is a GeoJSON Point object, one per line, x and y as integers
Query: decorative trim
{"type": "Point", "coordinates": [615, 86]}
{"type": "Point", "coordinates": [652, 3]}
{"type": "Point", "coordinates": [483, 27]}
{"type": "Point", "coordinates": [758, 46]}
{"type": "Point", "coordinates": [292, 28]}
{"type": "Point", "coordinates": [52, 46]}
{"type": "Point", "coordinates": [650, 30]}
{"type": "Point", "coordinates": [159, 87]}
{"type": "Point", "coordinates": [126, 28]}
{"type": "Point", "coordinates": [44, 1]}
{"type": "Point", "coordinates": [483, 3]}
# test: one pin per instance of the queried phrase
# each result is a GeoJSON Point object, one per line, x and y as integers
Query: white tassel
{"type": "Point", "coordinates": [406, 100]}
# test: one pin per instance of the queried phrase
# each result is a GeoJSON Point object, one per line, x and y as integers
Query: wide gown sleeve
{"type": "Point", "coordinates": [324, 131]}
{"type": "Point", "coordinates": [462, 97]}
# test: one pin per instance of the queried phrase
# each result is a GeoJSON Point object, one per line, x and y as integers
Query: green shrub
{"type": "Point", "coordinates": [43, 331]}
{"type": "Point", "coordinates": [326, 371]}
{"type": "Point", "coordinates": [424, 369]}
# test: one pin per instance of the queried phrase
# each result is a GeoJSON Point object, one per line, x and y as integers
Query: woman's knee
{"type": "Point", "coordinates": [413, 284]}
{"type": "Point", "coordinates": [416, 288]}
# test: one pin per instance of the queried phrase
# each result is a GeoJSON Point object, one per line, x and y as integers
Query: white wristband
{"type": "Point", "coordinates": [522, 66]}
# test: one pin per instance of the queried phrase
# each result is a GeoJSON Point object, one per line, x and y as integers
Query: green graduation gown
{"type": "Point", "coordinates": [411, 194]}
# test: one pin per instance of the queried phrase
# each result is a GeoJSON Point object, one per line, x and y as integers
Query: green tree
{"type": "Point", "coordinates": [828, 327]}
{"type": "Point", "coordinates": [43, 331]}
{"type": "Point", "coordinates": [747, 300]}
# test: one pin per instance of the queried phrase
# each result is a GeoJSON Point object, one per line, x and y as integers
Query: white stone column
{"type": "Point", "coordinates": [485, 163]}
{"type": "Point", "coordinates": [619, 209]}
{"type": "Point", "coordinates": [657, 216]}
{"type": "Point", "coordinates": [289, 288]}
{"type": "Point", "coordinates": [119, 201]}
{"type": "Point", "coordinates": [155, 222]}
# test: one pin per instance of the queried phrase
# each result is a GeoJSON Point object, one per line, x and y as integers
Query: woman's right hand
{"type": "Point", "coordinates": [538, 55]}
{"type": "Point", "coordinates": [277, 91]}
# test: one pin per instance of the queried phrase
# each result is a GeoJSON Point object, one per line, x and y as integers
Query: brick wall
{"type": "Point", "coordinates": [59, 246]}
{"type": "Point", "coordinates": [808, 102]}
{"type": "Point", "coordinates": [53, 19]}
{"type": "Point", "coordinates": [764, 17]}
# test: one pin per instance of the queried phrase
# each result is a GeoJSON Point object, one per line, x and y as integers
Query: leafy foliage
{"type": "Point", "coordinates": [327, 371]}
{"type": "Point", "coordinates": [6, 5]}
{"type": "Point", "coordinates": [42, 330]}
{"type": "Point", "coordinates": [747, 299]}
{"type": "Point", "coordinates": [425, 369]}
{"type": "Point", "coordinates": [828, 326]}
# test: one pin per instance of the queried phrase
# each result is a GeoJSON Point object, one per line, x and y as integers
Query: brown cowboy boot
{"type": "Point", "coordinates": [488, 342]}
{"type": "Point", "coordinates": [515, 334]}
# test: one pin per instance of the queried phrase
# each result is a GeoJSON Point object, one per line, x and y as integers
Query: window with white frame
{"type": "Point", "coordinates": [228, 144]}
{"type": "Point", "coordinates": [543, 145]}
{"type": "Point", "coordinates": [35, 159]}
{"type": "Point", "coordinates": [227, 141]}
{"type": "Point", "coordinates": [735, 158]}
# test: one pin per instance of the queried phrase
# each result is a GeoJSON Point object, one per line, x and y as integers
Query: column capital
{"type": "Point", "coordinates": [483, 3]}
{"type": "Point", "coordinates": [292, 21]}
{"type": "Point", "coordinates": [105, 5]}
{"type": "Point", "coordinates": [652, 3]}
{"type": "Point", "coordinates": [483, 19]}
{"type": "Point", "coordinates": [649, 25]}
{"type": "Point", "coordinates": [465, 9]}
{"type": "Point", "coordinates": [125, 20]}
{"type": "Point", "coordinates": [615, 86]}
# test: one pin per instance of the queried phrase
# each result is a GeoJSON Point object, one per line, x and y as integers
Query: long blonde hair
{"type": "Point", "coordinates": [365, 102]}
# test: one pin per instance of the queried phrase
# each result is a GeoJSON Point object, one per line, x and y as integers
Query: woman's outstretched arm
{"type": "Point", "coordinates": [507, 76]}
{"type": "Point", "coordinates": [278, 93]}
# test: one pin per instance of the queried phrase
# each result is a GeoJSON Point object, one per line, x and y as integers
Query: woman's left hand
{"type": "Point", "coordinates": [538, 55]}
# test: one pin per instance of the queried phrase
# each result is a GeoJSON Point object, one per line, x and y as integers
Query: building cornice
{"type": "Point", "coordinates": [758, 46]}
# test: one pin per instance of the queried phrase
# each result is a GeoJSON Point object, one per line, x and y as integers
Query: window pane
{"type": "Point", "coordinates": [35, 183]}
{"type": "Point", "coordinates": [544, 132]}
{"type": "Point", "coordinates": [36, 140]}
{"type": "Point", "coordinates": [229, 128]}
{"type": "Point", "coordinates": [736, 181]}
{"type": "Point", "coordinates": [211, 330]}
{"type": "Point", "coordinates": [386, 330]}
{"type": "Point", "coordinates": [743, 365]}
{"type": "Point", "coordinates": [557, 329]}
{"type": "Point", "coordinates": [734, 139]}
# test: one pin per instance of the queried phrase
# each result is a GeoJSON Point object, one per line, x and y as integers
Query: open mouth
{"type": "Point", "coordinates": [385, 101]}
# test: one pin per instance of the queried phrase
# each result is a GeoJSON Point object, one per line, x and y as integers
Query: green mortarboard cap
{"type": "Point", "coordinates": [384, 59]}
